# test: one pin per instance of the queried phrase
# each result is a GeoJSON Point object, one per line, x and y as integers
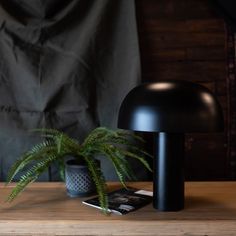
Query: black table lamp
{"type": "Point", "coordinates": [170, 109]}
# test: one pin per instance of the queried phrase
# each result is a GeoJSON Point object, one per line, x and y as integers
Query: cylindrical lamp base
{"type": "Point", "coordinates": [168, 176]}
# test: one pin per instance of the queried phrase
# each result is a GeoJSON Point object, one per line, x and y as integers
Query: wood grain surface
{"type": "Point", "coordinates": [45, 209]}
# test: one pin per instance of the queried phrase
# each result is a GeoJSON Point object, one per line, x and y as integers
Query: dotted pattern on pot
{"type": "Point", "coordinates": [79, 182]}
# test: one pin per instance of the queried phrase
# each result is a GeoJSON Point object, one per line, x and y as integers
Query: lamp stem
{"type": "Point", "coordinates": [168, 176]}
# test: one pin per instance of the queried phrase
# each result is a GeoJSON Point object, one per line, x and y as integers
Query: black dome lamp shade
{"type": "Point", "coordinates": [170, 109]}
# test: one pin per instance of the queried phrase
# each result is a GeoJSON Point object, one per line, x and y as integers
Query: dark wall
{"type": "Point", "coordinates": [186, 39]}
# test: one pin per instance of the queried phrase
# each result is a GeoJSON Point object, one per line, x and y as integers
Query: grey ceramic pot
{"type": "Point", "coordinates": [78, 181]}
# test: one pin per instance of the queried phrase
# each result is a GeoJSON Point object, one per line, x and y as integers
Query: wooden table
{"type": "Point", "coordinates": [45, 209]}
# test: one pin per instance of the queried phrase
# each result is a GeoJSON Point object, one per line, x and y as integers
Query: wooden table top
{"type": "Point", "coordinates": [45, 209]}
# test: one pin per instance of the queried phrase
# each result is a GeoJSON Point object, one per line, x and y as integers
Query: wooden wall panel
{"type": "Point", "coordinates": [185, 39]}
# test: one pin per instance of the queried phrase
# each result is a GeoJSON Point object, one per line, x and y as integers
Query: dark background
{"type": "Point", "coordinates": [65, 65]}
{"type": "Point", "coordinates": [189, 39]}
{"type": "Point", "coordinates": [178, 39]}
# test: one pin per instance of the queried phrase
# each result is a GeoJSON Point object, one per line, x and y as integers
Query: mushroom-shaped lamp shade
{"type": "Point", "coordinates": [170, 109]}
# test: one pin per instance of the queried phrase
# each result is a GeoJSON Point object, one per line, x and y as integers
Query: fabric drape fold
{"type": "Point", "coordinates": [66, 65]}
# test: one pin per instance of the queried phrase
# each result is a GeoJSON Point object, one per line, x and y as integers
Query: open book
{"type": "Point", "coordinates": [124, 200]}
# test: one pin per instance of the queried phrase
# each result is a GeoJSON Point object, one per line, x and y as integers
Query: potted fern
{"type": "Point", "coordinates": [117, 146]}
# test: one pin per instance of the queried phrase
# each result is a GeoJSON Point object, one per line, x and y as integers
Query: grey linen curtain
{"type": "Point", "coordinates": [65, 64]}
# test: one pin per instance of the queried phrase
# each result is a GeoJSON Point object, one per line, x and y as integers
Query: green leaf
{"type": "Point", "coordinates": [133, 155]}
{"type": "Point", "coordinates": [61, 166]}
{"type": "Point", "coordinates": [31, 175]}
{"type": "Point", "coordinates": [99, 181]}
{"type": "Point", "coordinates": [36, 153]}
{"type": "Point", "coordinates": [121, 166]}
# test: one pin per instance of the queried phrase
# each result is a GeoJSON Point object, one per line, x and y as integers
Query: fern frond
{"type": "Point", "coordinates": [37, 152]}
{"type": "Point", "coordinates": [21, 185]}
{"type": "Point", "coordinates": [95, 135]}
{"type": "Point", "coordinates": [59, 143]}
{"type": "Point", "coordinates": [99, 181]}
{"type": "Point", "coordinates": [125, 166]}
{"type": "Point", "coordinates": [128, 134]}
{"type": "Point", "coordinates": [121, 173]}
{"type": "Point", "coordinates": [31, 175]}
{"type": "Point", "coordinates": [18, 165]}
{"type": "Point", "coordinates": [133, 155]}
{"type": "Point", "coordinates": [103, 135]}
{"type": "Point", "coordinates": [122, 167]}
{"type": "Point", "coordinates": [53, 132]}
{"type": "Point", "coordinates": [61, 167]}
{"type": "Point", "coordinates": [61, 139]}
{"type": "Point", "coordinates": [70, 144]}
